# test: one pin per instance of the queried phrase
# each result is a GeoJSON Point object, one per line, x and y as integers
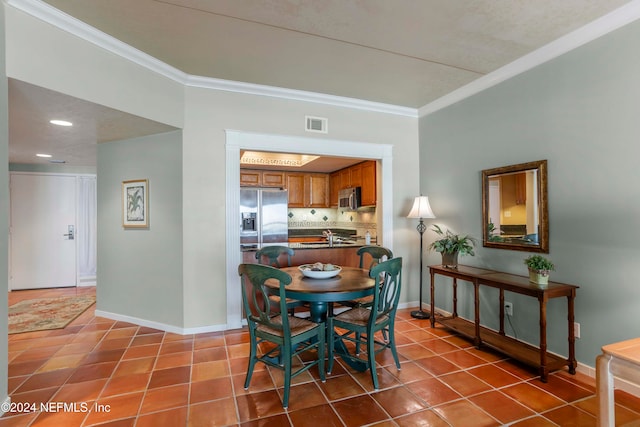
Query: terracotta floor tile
{"type": "Point", "coordinates": [537, 421]}
{"type": "Point", "coordinates": [141, 351]}
{"type": "Point", "coordinates": [209, 370]}
{"type": "Point", "coordinates": [433, 391]}
{"type": "Point", "coordinates": [360, 410]}
{"type": "Point", "coordinates": [87, 391]}
{"type": "Point", "coordinates": [464, 413]}
{"type": "Point", "coordinates": [62, 362]}
{"type": "Point", "coordinates": [423, 419]}
{"type": "Point", "coordinates": [260, 381]}
{"type": "Point", "coordinates": [148, 339]}
{"type": "Point", "coordinates": [45, 380]}
{"type": "Point", "coordinates": [385, 379]}
{"type": "Point", "coordinates": [113, 408]}
{"type": "Point", "coordinates": [464, 383]}
{"type": "Point", "coordinates": [419, 335]}
{"type": "Point", "coordinates": [171, 417]}
{"type": "Point", "coordinates": [176, 346]}
{"type": "Point", "coordinates": [494, 375]}
{"type": "Point", "coordinates": [280, 420]}
{"type": "Point", "coordinates": [321, 415]}
{"type": "Point", "coordinates": [209, 354]}
{"type": "Point", "coordinates": [341, 386]}
{"type": "Point", "coordinates": [165, 398]}
{"type": "Point", "coordinates": [214, 389]}
{"type": "Point", "coordinates": [562, 389]}
{"type": "Point", "coordinates": [398, 401]}
{"type": "Point", "coordinates": [126, 384]}
{"type": "Point", "coordinates": [410, 372]}
{"type": "Point", "coordinates": [304, 396]}
{"type": "Point", "coordinates": [532, 397]}
{"type": "Point", "coordinates": [92, 372]}
{"type": "Point", "coordinates": [100, 355]}
{"type": "Point", "coordinates": [464, 359]}
{"type": "Point", "coordinates": [134, 366]}
{"type": "Point", "coordinates": [173, 360]}
{"type": "Point", "coordinates": [217, 413]}
{"type": "Point", "coordinates": [414, 351]}
{"type": "Point", "coordinates": [570, 416]}
{"type": "Point", "coordinates": [59, 418]}
{"type": "Point", "coordinates": [257, 405]}
{"type": "Point", "coordinates": [36, 354]}
{"type": "Point", "coordinates": [171, 376]}
{"type": "Point", "coordinates": [204, 341]}
{"type": "Point", "coordinates": [437, 365]}
{"type": "Point", "coordinates": [501, 407]}
{"type": "Point", "coordinates": [17, 420]}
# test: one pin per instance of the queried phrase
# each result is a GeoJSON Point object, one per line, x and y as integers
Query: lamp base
{"type": "Point", "coordinates": [419, 314]}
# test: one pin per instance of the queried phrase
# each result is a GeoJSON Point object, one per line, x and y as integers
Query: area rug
{"type": "Point", "coordinates": [47, 313]}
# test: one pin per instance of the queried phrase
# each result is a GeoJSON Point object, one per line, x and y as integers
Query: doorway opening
{"type": "Point", "coordinates": [237, 141]}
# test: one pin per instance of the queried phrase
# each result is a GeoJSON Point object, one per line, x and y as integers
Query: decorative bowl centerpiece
{"type": "Point", "coordinates": [319, 270]}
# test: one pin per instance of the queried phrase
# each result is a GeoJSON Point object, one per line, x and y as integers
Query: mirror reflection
{"type": "Point", "coordinates": [514, 210]}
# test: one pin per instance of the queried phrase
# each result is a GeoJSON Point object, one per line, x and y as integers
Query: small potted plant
{"type": "Point", "coordinates": [539, 269]}
{"type": "Point", "coordinates": [451, 245]}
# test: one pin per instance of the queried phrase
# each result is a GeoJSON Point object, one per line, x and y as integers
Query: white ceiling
{"type": "Point", "coordinates": [404, 53]}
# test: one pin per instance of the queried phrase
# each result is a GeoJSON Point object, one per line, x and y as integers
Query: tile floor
{"type": "Point", "coordinates": [98, 371]}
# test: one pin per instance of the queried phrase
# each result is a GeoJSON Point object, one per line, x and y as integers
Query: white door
{"type": "Point", "coordinates": [43, 250]}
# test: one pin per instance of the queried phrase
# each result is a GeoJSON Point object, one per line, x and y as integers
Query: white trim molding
{"type": "Point", "coordinates": [237, 140]}
{"type": "Point", "coordinates": [598, 28]}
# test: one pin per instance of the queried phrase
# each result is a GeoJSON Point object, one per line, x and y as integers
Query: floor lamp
{"type": "Point", "coordinates": [421, 210]}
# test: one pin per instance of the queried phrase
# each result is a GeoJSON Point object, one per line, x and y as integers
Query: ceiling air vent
{"type": "Point", "coordinates": [317, 124]}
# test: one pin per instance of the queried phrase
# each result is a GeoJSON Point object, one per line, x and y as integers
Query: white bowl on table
{"type": "Point", "coordinates": [306, 270]}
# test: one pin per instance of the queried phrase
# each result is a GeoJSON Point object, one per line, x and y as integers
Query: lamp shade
{"type": "Point", "coordinates": [421, 208]}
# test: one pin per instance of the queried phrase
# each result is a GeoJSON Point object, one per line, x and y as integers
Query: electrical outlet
{"type": "Point", "coordinates": [576, 329]}
{"type": "Point", "coordinates": [508, 308]}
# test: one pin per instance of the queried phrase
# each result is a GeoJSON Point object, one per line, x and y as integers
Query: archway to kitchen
{"type": "Point", "coordinates": [236, 141]}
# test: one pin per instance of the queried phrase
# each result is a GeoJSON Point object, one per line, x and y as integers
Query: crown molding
{"type": "Point", "coordinates": [65, 22]}
{"type": "Point", "coordinates": [598, 28]}
{"type": "Point", "coordinates": [299, 95]}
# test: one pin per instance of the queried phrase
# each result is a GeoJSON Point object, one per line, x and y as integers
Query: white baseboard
{"type": "Point", "coordinates": [5, 405]}
{"type": "Point", "coordinates": [161, 326]}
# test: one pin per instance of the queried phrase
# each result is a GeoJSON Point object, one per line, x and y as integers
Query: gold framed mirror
{"type": "Point", "coordinates": [514, 207]}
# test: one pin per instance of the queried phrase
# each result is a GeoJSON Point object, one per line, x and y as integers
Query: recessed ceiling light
{"type": "Point", "coordinates": [44, 155]}
{"type": "Point", "coordinates": [61, 122]}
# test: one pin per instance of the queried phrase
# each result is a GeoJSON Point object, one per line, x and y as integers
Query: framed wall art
{"type": "Point", "coordinates": [135, 203]}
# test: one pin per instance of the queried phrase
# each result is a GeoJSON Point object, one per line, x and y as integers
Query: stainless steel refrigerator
{"type": "Point", "coordinates": [263, 218]}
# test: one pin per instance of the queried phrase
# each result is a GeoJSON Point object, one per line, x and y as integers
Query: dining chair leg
{"type": "Point", "coordinates": [392, 344]}
{"type": "Point", "coordinates": [321, 353]}
{"type": "Point", "coordinates": [252, 363]}
{"type": "Point", "coordinates": [371, 355]}
{"type": "Point", "coordinates": [287, 375]}
{"type": "Point", "coordinates": [330, 350]}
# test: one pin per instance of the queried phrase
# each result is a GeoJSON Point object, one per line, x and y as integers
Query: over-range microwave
{"type": "Point", "coordinates": [349, 198]}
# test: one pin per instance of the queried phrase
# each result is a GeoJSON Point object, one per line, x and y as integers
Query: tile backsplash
{"type": "Point", "coordinates": [361, 221]}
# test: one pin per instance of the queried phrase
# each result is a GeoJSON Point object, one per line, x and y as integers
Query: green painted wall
{"type": "Point", "coordinates": [140, 270]}
{"type": "Point", "coordinates": [580, 112]}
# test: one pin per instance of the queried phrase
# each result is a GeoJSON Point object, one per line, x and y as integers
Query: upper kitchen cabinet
{"type": "Point", "coordinates": [308, 190]}
{"type": "Point", "coordinates": [260, 178]}
{"type": "Point", "coordinates": [368, 191]}
{"type": "Point", "coordinates": [362, 175]}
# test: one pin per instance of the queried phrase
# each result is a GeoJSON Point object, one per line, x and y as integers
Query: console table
{"type": "Point", "coordinates": [537, 357]}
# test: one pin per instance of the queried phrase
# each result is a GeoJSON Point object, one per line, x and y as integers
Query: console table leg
{"type": "Point", "coordinates": [572, 337]}
{"type": "Point", "coordinates": [544, 372]}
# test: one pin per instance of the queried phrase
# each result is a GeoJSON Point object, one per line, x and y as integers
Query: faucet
{"type": "Point", "coordinates": [329, 235]}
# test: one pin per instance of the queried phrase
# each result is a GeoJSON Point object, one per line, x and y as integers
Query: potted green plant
{"type": "Point", "coordinates": [539, 269]}
{"type": "Point", "coordinates": [451, 245]}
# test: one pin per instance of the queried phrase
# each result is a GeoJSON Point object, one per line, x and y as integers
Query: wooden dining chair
{"type": "Point", "coordinates": [375, 255]}
{"type": "Point", "coordinates": [290, 335]}
{"type": "Point", "coordinates": [360, 324]}
{"type": "Point", "coordinates": [271, 255]}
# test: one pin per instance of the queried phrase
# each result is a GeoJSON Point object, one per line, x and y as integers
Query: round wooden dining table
{"type": "Point", "coordinates": [350, 284]}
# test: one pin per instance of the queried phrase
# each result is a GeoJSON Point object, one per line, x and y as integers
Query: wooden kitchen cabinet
{"type": "Point", "coordinates": [250, 178]}
{"type": "Point", "coordinates": [368, 190]}
{"type": "Point", "coordinates": [308, 190]}
{"type": "Point", "coordinates": [334, 189]}
{"type": "Point", "coordinates": [362, 175]}
{"type": "Point", "coordinates": [261, 178]}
